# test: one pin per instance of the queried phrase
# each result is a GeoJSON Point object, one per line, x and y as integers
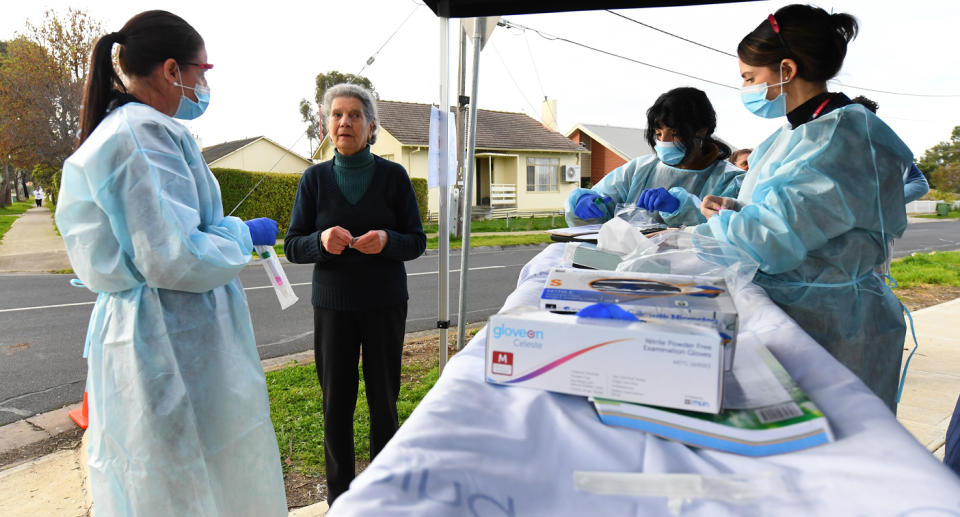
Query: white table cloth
{"type": "Point", "coordinates": [472, 448]}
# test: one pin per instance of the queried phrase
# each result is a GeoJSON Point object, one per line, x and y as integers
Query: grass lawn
{"type": "Point", "coordinates": [931, 269]}
{"type": "Point", "coordinates": [9, 214]}
{"type": "Point", "coordinates": [296, 410]}
{"type": "Point", "coordinates": [953, 214]}
{"type": "Point", "coordinates": [514, 224]}
{"type": "Point", "coordinates": [491, 240]}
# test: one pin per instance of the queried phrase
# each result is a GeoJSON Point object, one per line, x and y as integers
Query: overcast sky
{"type": "Point", "coordinates": [266, 55]}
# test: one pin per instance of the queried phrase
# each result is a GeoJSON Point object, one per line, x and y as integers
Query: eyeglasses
{"type": "Point", "coordinates": [205, 66]}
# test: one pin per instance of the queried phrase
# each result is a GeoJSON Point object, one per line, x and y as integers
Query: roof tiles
{"type": "Point", "coordinates": [409, 123]}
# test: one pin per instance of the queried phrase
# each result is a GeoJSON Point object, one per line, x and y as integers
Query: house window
{"type": "Point", "coordinates": [543, 174]}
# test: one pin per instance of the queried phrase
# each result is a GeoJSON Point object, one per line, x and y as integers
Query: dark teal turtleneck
{"type": "Point", "coordinates": [353, 173]}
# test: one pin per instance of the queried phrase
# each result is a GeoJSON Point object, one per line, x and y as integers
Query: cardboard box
{"type": "Point", "coordinates": [697, 300]}
{"type": "Point", "coordinates": [669, 365]}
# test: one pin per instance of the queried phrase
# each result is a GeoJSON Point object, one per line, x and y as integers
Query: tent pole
{"type": "Point", "coordinates": [479, 29]}
{"type": "Point", "coordinates": [443, 301]}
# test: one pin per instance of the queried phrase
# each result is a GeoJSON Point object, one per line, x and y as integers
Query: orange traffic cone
{"type": "Point", "coordinates": [80, 416]}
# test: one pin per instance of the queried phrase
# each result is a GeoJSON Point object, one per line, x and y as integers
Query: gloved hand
{"type": "Point", "coordinates": [610, 311]}
{"type": "Point", "coordinates": [587, 206]}
{"type": "Point", "coordinates": [263, 231]}
{"type": "Point", "coordinates": [658, 199]}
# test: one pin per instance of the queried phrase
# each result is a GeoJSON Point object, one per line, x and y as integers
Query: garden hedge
{"type": "Point", "coordinates": [274, 197]}
{"type": "Point", "coordinates": [420, 189]}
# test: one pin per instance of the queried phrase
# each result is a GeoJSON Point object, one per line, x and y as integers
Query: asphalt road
{"type": "Point", "coordinates": [43, 321]}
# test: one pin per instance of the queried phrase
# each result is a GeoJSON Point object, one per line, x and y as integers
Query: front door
{"type": "Point", "coordinates": [482, 185]}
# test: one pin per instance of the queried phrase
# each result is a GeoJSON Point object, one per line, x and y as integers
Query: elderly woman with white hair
{"type": "Point", "coordinates": [355, 217]}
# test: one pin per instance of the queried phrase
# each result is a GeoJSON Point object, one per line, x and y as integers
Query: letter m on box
{"type": "Point", "coordinates": [502, 363]}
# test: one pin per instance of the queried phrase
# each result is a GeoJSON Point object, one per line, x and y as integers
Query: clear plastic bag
{"type": "Point", "coordinates": [684, 253]}
{"type": "Point", "coordinates": [646, 221]}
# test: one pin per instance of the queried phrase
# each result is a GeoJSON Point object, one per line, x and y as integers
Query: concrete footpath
{"type": "Point", "coordinates": [32, 245]}
{"type": "Point", "coordinates": [55, 484]}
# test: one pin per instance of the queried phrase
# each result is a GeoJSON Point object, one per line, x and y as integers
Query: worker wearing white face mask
{"type": "Point", "coordinates": [179, 417]}
{"type": "Point", "coordinates": [689, 163]}
{"type": "Point", "coordinates": [823, 195]}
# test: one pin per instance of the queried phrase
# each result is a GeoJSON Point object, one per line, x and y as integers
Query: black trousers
{"type": "Point", "coordinates": [339, 339]}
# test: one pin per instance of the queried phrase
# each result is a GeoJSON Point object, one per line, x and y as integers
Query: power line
{"type": "Point", "coordinates": [734, 55]}
{"type": "Point", "coordinates": [373, 58]}
{"type": "Point", "coordinates": [894, 93]}
{"type": "Point", "coordinates": [550, 37]}
{"type": "Point", "coordinates": [537, 73]}
{"type": "Point", "coordinates": [510, 75]}
{"type": "Point", "coordinates": [638, 22]}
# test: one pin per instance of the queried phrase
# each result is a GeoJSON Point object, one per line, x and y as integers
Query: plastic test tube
{"type": "Point", "coordinates": [278, 279]}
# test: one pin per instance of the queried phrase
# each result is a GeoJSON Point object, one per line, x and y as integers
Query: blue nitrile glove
{"type": "Point", "coordinates": [587, 206]}
{"type": "Point", "coordinates": [263, 231]}
{"type": "Point", "coordinates": [658, 199]}
{"type": "Point", "coordinates": [610, 311]}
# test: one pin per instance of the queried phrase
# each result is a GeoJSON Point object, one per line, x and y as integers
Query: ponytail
{"type": "Point", "coordinates": [102, 80]}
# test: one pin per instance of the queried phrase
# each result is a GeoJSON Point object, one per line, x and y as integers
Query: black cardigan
{"type": "Point", "coordinates": [353, 280]}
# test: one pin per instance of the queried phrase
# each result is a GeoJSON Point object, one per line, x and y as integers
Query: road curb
{"type": "Point", "coordinates": [34, 430]}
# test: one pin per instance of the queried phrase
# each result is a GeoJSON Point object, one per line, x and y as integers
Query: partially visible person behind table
{"type": "Point", "coordinates": [355, 217]}
{"type": "Point", "coordinates": [689, 163]}
{"type": "Point", "coordinates": [179, 416]}
{"type": "Point", "coordinates": [823, 196]}
{"type": "Point", "coordinates": [739, 158]}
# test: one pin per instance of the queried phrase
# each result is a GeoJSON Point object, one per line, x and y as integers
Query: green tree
{"type": "Point", "coordinates": [42, 74]}
{"type": "Point", "coordinates": [946, 178]}
{"type": "Point", "coordinates": [941, 154]}
{"type": "Point", "coordinates": [49, 178]}
{"type": "Point", "coordinates": [310, 113]}
{"type": "Point", "coordinates": [27, 83]}
{"type": "Point", "coordinates": [68, 40]}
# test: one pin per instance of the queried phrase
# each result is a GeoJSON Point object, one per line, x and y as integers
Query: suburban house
{"type": "Point", "coordinates": [521, 165]}
{"type": "Point", "coordinates": [258, 154]}
{"type": "Point", "coordinates": [609, 146]}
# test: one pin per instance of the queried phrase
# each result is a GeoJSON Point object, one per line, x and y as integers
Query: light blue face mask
{"type": "Point", "coordinates": [755, 99]}
{"type": "Point", "coordinates": [188, 109]}
{"type": "Point", "coordinates": [670, 153]}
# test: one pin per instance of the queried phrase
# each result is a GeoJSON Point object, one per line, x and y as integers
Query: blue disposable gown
{"type": "Point", "coordinates": [179, 416]}
{"type": "Point", "coordinates": [625, 184]}
{"type": "Point", "coordinates": [915, 184]}
{"type": "Point", "coordinates": [818, 206]}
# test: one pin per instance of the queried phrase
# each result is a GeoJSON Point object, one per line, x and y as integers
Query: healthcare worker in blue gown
{"type": "Point", "coordinates": [823, 196]}
{"type": "Point", "coordinates": [689, 163]}
{"type": "Point", "coordinates": [179, 417]}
